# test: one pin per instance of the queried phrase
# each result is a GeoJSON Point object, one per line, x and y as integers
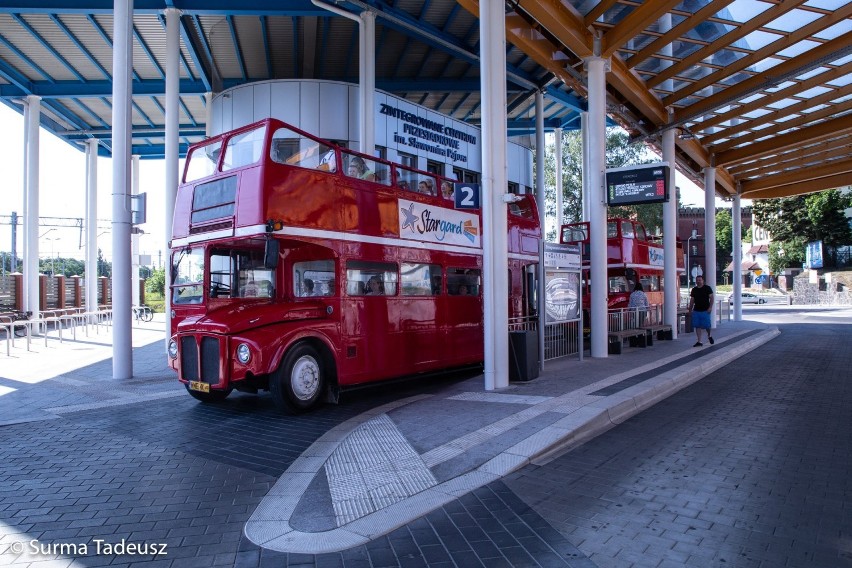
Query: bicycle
{"type": "Point", "coordinates": [143, 313]}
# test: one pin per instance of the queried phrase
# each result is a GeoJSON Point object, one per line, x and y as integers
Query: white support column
{"type": "Point", "coordinates": [134, 237]}
{"type": "Point", "coordinates": [596, 135]}
{"type": "Point", "coordinates": [368, 81]}
{"type": "Point", "coordinates": [91, 223]}
{"type": "Point", "coordinates": [710, 234]}
{"type": "Point", "coordinates": [540, 156]}
{"type": "Point", "coordinates": [584, 139]}
{"type": "Point", "coordinates": [172, 149]}
{"type": "Point", "coordinates": [671, 293]}
{"type": "Point", "coordinates": [208, 106]}
{"type": "Point", "coordinates": [31, 271]}
{"type": "Point", "coordinates": [122, 65]}
{"type": "Point", "coordinates": [737, 253]}
{"type": "Point", "coordinates": [560, 220]}
{"type": "Point", "coordinates": [492, 37]}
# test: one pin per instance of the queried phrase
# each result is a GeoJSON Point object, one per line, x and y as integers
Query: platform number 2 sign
{"type": "Point", "coordinates": [466, 195]}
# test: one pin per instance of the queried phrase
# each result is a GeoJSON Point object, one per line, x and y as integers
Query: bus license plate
{"type": "Point", "coordinates": [199, 386]}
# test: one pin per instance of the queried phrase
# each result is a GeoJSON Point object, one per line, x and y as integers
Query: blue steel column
{"type": "Point", "coordinates": [172, 149]}
{"type": "Point", "coordinates": [596, 126]}
{"type": "Point", "coordinates": [492, 22]}
{"type": "Point", "coordinates": [710, 234]}
{"type": "Point", "coordinates": [122, 65]}
{"type": "Point", "coordinates": [671, 293]}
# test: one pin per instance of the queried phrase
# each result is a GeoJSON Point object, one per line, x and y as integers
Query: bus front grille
{"type": "Point", "coordinates": [204, 368]}
{"type": "Point", "coordinates": [210, 360]}
{"type": "Point", "coordinates": [189, 358]}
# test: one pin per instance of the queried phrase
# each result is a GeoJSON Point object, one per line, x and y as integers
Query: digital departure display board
{"type": "Point", "coordinates": [636, 185]}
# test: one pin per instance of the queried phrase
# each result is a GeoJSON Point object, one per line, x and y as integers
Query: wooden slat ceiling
{"type": "Point", "coordinates": [760, 89]}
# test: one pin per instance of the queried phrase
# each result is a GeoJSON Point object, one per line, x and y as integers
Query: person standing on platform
{"type": "Point", "coordinates": [701, 306]}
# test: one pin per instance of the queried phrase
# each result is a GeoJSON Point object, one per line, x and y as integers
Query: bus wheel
{"type": "Point", "coordinates": [212, 396]}
{"type": "Point", "coordinates": [298, 383]}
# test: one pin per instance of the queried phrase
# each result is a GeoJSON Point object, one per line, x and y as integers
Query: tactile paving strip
{"type": "Point", "coordinates": [372, 469]}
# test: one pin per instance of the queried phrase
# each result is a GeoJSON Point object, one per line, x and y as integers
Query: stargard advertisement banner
{"type": "Point", "coordinates": [432, 224]}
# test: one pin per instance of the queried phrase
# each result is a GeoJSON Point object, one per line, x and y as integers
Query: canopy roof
{"type": "Point", "coordinates": [759, 88]}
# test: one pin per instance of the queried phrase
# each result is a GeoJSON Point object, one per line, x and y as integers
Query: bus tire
{"type": "Point", "coordinates": [299, 381]}
{"type": "Point", "coordinates": [210, 397]}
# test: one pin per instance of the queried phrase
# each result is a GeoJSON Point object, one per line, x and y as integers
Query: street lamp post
{"type": "Point", "coordinates": [694, 235]}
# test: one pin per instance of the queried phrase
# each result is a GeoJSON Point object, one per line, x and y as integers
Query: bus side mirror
{"type": "Point", "coordinates": [270, 254]}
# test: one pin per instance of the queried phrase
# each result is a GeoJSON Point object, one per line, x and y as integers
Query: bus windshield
{"type": "Point", "coordinates": [188, 276]}
{"type": "Point", "coordinates": [239, 273]}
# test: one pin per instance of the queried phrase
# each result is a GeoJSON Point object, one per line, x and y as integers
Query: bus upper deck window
{"type": "Point", "coordinates": [611, 230]}
{"type": "Point", "coordinates": [627, 229]}
{"type": "Point", "coordinates": [201, 162]}
{"type": "Point", "coordinates": [244, 149]}
{"type": "Point", "coordinates": [293, 149]}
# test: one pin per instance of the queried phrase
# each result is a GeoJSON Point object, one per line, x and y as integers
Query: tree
{"type": "Point", "coordinates": [104, 267]}
{"type": "Point", "coordinates": [794, 221]}
{"type": "Point", "coordinates": [619, 153]}
{"type": "Point", "coordinates": [156, 283]}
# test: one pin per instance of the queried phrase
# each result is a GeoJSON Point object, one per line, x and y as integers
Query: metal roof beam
{"type": "Point", "coordinates": [47, 46]}
{"type": "Point", "coordinates": [800, 157]}
{"type": "Point", "coordinates": [155, 130]}
{"type": "Point", "coordinates": [791, 91]}
{"type": "Point", "coordinates": [58, 23]}
{"type": "Point", "coordinates": [771, 117]}
{"type": "Point", "coordinates": [803, 120]}
{"type": "Point", "coordinates": [634, 23]}
{"type": "Point", "coordinates": [809, 186]}
{"type": "Point", "coordinates": [788, 70]}
{"type": "Point", "coordinates": [838, 167]}
{"type": "Point", "coordinates": [677, 31]}
{"type": "Point", "coordinates": [777, 144]}
{"type": "Point", "coordinates": [68, 89]}
{"type": "Point", "coordinates": [766, 51]}
{"type": "Point", "coordinates": [722, 42]}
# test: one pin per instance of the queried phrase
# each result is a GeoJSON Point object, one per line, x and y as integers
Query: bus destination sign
{"type": "Point", "coordinates": [638, 184]}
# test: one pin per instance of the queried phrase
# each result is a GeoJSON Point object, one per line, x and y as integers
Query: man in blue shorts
{"type": "Point", "coordinates": [701, 306]}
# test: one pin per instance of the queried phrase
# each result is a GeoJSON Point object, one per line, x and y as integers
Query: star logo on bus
{"type": "Point", "coordinates": [470, 231]}
{"type": "Point", "coordinates": [410, 217]}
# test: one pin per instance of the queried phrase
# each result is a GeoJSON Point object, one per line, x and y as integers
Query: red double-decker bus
{"type": "Point", "coordinates": [302, 268]}
{"type": "Point", "coordinates": [632, 256]}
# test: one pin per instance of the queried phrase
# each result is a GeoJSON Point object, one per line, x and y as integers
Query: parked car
{"type": "Point", "coordinates": [747, 298]}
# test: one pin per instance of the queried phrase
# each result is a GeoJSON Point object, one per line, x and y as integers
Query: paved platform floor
{"type": "Point", "coordinates": [595, 463]}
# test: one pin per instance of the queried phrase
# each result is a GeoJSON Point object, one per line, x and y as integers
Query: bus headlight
{"type": "Point", "coordinates": [172, 349]}
{"type": "Point", "coordinates": [243, 353]}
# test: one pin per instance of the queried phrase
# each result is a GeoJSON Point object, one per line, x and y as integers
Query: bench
{"type": "Point", "coordinates": [616, 338]}
{"type": "Point", "coordinates": [663, 331]}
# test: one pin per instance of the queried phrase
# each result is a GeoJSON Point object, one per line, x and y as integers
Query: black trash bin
{"type": "Point", "coordinates": [687, 322]}
{"type": "Point", "coordinates": [523, 355]}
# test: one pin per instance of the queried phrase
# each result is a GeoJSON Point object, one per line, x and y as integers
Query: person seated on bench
{"type": "Point", "coordinates": [639, 302]}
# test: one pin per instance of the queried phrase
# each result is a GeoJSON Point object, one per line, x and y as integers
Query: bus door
{"type": "Point", "coordinates": [463, 316]}
{"type": "Point", "coordinates": [370, 328]}
{"type": "Point", "coordinates": [421, 342]}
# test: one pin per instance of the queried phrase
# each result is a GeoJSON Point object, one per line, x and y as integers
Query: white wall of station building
{"type": "Point", "coordinates": [328, 109]}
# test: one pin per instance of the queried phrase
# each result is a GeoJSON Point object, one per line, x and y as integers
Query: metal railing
{"type": "Point", "coordinates": [619, 319]}
{"type": "Point", "coordinates": [560, 339]}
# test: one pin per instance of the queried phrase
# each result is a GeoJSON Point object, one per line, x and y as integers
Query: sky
{"type": "Point", "coordinates": [62, 186]}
